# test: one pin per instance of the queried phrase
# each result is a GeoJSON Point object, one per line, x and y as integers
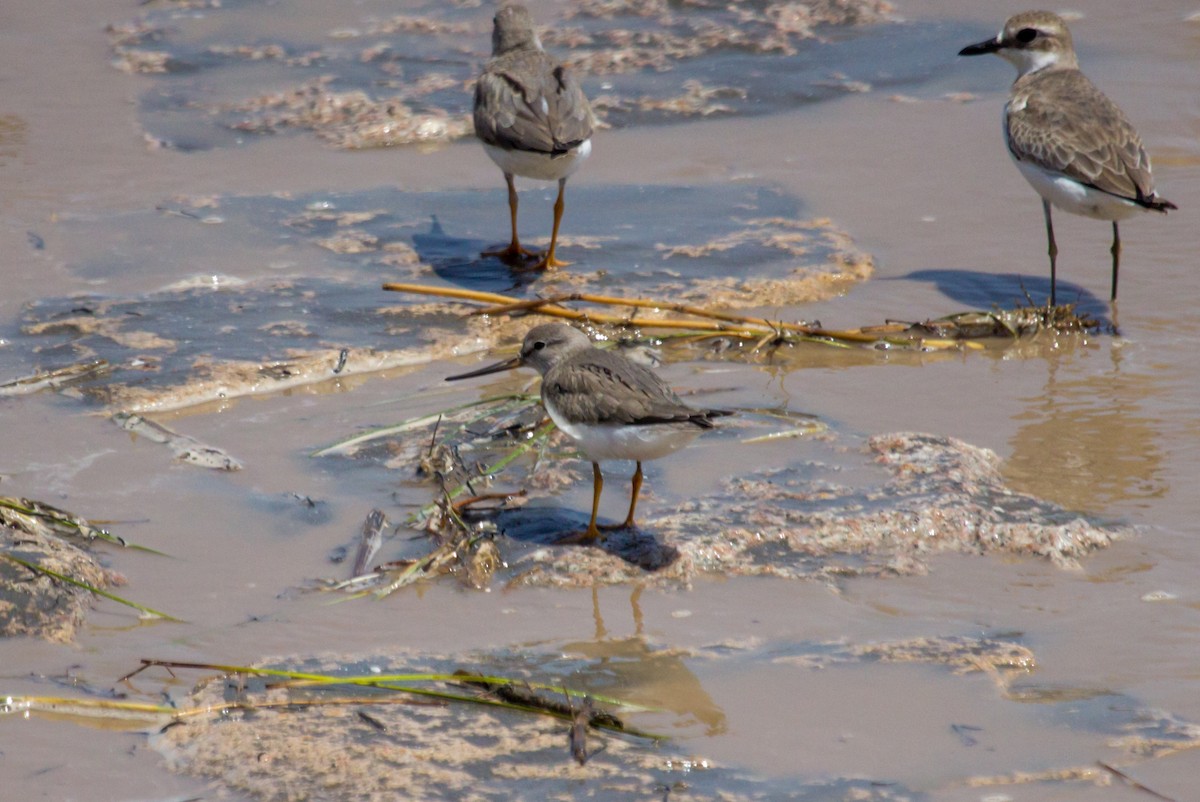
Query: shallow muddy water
{"type": "Point", "coordinates": [897, 159]}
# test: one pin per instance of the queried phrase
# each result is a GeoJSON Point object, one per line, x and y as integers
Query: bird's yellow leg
{"type": "Point", "coordinates": [633, 498]}
{"type": "Point", "coordinates": [597, 487]}
{"type": "Point", "coordinates": [592, 532]}
{"type": "Point", "coordinates": [549, 262]}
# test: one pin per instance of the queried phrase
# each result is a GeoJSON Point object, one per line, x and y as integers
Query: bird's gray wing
{"type": "Point", "coordinates": [1060, 121]}
{"type": "Point", "coordinates": [607, 388]}
{"type": "Point", "coordinates": [524, 101]}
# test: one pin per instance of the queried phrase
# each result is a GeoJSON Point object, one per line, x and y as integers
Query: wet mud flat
{"type": "Point", "coordinates": [376, 78]}
{"type": "Point", "coordinates": [850, 506]}
{"type": "Point", "coordinates": [196, 342]}
{"type": "Point", "coordinates": [298, 305]}
{"type": "Point", "coordinates": [327, 733]}
{"type": "Point", "coordinates": [452, 751]}
{"type": "Point", "coordinates": [319, 314]}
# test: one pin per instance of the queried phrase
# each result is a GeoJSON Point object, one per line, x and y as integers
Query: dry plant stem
{"type": "Point", "coordinates": [745, 326]}
{"type": "Point", "coordinates": [299, 679]}
{"type": "Point", "coordinates": [290, 704]}
{"type": "Point", "coordinates": [449, 292]}
{"type": "Point", "coordinates": [682, 309]}
{"type": "Point", "coordinates": [610, 300]}
{"type": "Point", "coordinates": [462, 504]}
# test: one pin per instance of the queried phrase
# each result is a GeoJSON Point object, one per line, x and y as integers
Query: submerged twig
{"type": "Point", "coordinates": [523, 696]}
{"type": "Point", "coordinates": [186, 448]}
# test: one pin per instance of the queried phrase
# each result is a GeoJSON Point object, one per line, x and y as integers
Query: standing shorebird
{"type": "Point", "coordinates": [532, 118]}
{"type": "Point", "coordinates": [1077, 149]}
{"type": "Point", "coordinates": [611, 407]}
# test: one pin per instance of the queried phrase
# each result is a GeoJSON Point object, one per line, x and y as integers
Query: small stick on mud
{"type": "Point", "coordinates": [526, 697]}
{"type": "Point", "coordinates": [461, 505]}
{"type": "Point", "coordinates": [437, 424]}
{"type": "Point", "coordinates": [1132, 782]}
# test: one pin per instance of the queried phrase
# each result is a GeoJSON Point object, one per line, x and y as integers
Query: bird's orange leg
{"type": "Point", "coordinates": [633, 498]}
{"type": "Point", "coordinates": [592, 532]}
{"type": "Point", "coordinates": [549, 262]}
{"type": "Point", "coordinates": [514, 252]}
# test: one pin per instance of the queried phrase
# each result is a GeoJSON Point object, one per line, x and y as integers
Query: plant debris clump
{"type": "Point", "coordinates": [906, 497]}
{"type": "Point", "coordinates": [939, 495]}
{"type": "Point", "coordinates": [32, 602]}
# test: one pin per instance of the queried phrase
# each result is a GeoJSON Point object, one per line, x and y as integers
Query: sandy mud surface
{"type": "Point", "coordinates": [901, 571]}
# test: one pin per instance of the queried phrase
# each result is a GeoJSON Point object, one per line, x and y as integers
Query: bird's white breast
{"type": "Point", "coordinates": [617, 441]}
{"type": "Point", "coordinates": [1074, 197]}
{"type": "Point", "coordinates": [540, 166]}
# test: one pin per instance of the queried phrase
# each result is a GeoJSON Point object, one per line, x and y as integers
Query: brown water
{"type": "Point", "coordinates": [1107, 425]}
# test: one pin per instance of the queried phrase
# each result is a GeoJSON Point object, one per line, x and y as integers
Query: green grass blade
{"type": "Point", "coordinates": [342, 446]}
{"type": "Point", "coordinates": [398, 683]}
{"type": "Point", "coordinates": [90, 588]}
{"type": "Point", "coordinates": [60, 518]}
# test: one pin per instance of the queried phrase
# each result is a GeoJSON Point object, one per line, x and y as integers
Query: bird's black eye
{"type": "Point", "coordinates": [1026, 35]}
{"type": "Point", "coordinates": [539, 345]}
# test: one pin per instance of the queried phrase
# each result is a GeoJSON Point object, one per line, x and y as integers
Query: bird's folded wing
{"type": "Point", "coordinates": [1069, 126]}
{"type": "Point", "coordinates": [601, 391]}
{"type": "Point", "coordinates": [526, 102]}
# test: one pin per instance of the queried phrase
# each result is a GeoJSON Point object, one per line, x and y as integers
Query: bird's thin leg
{"type": "Point", "coordinates": [597, 486]}
{"type": "Point", "coordinates": [514, 251]}
{"type": "Point", "coordinates": [513, 201]}
{"type": "Point", "coordinates": [633, 499]}
{"type": "Point", "coordinates": [549, 262]}
{"type": "Point", "coordinates": [1053, 250]}
{"type": "Point", "coordinates": [592, 532]}
{"type": "Point", "coordinates": [1116, 258]}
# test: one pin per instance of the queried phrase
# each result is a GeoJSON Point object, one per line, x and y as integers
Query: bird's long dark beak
{"type": "Point", "coordinates": [507, 364]}
{"type": "Point", "coordinates": [979, 48]}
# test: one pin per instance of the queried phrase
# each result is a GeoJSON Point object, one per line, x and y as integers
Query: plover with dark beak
{"type": "Point", "coordinates": [1077, 149]}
